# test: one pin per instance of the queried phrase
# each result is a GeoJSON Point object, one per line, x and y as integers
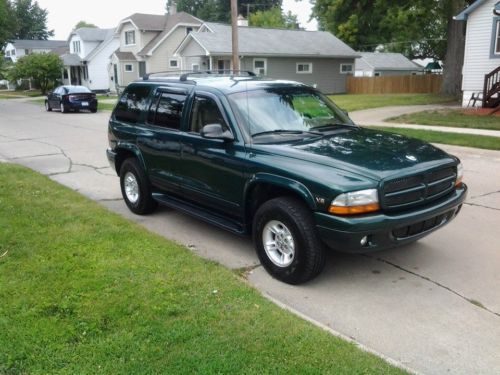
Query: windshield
{"type": "Point", "coordinates": [285, 110]}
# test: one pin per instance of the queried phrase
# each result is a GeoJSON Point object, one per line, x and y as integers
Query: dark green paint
{"type": "Point", "coordinates": [219, 176]}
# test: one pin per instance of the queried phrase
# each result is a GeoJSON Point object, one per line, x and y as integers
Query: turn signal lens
{"type": "Point", "coordinates": [460, 175]}
{"type": "Point", "coordinates": [355, 202]}
{"type": "Point", "coordinates": [354, 210]}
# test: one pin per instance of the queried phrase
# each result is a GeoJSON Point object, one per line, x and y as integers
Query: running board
{"type": "Point", "coordinates": [200, 213]}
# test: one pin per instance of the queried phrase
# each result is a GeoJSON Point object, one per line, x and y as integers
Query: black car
{"type": "Point", "coordinates": [71, 98]}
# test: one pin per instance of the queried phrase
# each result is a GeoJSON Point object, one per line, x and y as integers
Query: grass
{"type": "Point", "coordinates": [85, 291]}
{"type": "Point", "coordinates": [466, 140]}
{"type": "Point", "coordinates": [450, 117]}
{"type": "Point", "coordinates": [19, 94]}
{"type": "Point", "coordinates": [351, 102]}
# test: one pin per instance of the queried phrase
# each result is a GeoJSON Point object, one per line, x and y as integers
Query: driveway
{"type": "Point", "coordinates": [433, 306]}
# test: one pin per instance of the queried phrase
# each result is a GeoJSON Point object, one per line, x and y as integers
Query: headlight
{"type": "Point", "coordinates": [355, 202]}
{"type": "Point", "coordinates": [460, 175]}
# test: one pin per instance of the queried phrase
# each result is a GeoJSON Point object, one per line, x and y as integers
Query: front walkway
{"type": "Point", "coordinates": [377, 117]}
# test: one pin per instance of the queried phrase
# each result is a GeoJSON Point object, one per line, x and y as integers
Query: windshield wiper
{"type": "Point", "coordinates": [284, 131]}
{"type": "Point", "coordinates": [333, 125]}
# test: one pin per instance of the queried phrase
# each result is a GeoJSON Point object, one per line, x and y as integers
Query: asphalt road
{"type": "Point", "coordinates": [433, 306]}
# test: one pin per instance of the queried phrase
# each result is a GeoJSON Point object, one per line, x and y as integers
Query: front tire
{"type": "Point", "coordinates": [286, 242]}
{"type": "Point", "coordinates": [136, 189]}
{"type": "Point", "coordinates": [47, 106]}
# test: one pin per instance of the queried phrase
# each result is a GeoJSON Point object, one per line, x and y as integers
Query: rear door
{"type": "Point", "coordinates": [160, 141]}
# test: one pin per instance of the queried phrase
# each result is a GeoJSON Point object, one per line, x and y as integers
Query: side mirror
{"type": "Point", "coordinates": [215, 131]}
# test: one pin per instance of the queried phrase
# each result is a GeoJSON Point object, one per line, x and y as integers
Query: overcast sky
{"type": "Point", "coordinates": [64, 14]}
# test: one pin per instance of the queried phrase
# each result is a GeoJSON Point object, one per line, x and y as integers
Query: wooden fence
{"type": "Point", "coordinates": [418, 84]}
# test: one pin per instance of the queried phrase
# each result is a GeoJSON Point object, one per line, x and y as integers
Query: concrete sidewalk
{"type": "Point", "coordinates": [378, 117]}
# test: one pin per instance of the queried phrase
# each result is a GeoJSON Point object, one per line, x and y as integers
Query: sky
{"type": "Point", "coordinates": [65, 14]}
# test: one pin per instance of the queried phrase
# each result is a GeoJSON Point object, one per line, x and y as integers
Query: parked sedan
{"type": "Point", "coordinates": [71, 98]}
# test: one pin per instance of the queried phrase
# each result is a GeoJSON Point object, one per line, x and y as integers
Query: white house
{"type": "Point", "coordinates": [22, 47]}
{"type": "Point", "coordinates": [87, 62]}
{"type": "Point", "coordinates": [482, 52]}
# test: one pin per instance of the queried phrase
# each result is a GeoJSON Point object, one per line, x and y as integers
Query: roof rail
{"type": "Point", "coordinates": [185, 74]}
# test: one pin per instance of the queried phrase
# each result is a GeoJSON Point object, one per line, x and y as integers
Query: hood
{"type": "Point", "coordinates": [370, 153]}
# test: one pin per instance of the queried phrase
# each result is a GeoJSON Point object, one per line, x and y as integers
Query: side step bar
{"type": "Point", "coordinates": [200, 213]}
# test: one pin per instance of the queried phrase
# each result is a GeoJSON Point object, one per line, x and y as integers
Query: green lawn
{"type": "Point", "coordinates": [467, 140]}
{"type": "Point", "coordinates": [84, 291]}
{"type": "Point", "coordinates": [450, 117]}
{"type": "Point", "coordinates": [19, 94]}
{"type": "Point", "coordinates": [351, 102]}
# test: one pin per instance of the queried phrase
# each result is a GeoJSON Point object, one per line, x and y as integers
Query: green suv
{"type": "Point", "coordinates": [280, 161]}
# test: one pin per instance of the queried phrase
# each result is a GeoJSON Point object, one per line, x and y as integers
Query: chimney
{"type": "Point", "coordinates": [172, 9]}
{"type": "Point", "coordinates": [242, 21]}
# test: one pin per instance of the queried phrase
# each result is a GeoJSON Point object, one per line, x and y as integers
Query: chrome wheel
{"type": "Point", "coordinates": [278, 243]}
{"type": "Point", "coordinates": [47, 108]}
{"type": "Point", "coordinates": [62, 108]}
{"type": "Point", "coordinates": [131, 187]}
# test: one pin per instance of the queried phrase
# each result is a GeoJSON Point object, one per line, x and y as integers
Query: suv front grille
{"type": "Point", "coordinates": [417, 189]}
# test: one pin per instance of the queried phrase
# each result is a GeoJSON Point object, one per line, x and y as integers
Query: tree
{"type": "Point", "coordinates": [31, 20]}
{"type": "Point", "coordinates": [417, 28]}
{"type": "Point", "coordinates": [44, 68]}
{"type": "Point", "coordinates": [7, 22]}
{"type": "Point", "coordinates": [83, 23]}
{"type": "Point", "coordinates": [274, 18]}
{"type": "Point", "coordinates": [220, 10]}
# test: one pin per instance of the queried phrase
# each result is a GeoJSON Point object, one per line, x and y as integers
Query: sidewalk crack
{"type": "Point", "coordinates": [483, 206]}
{"type": "Point", "coordinates": [469, 300]}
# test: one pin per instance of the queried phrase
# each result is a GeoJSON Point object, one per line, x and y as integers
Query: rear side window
{"type": "Point", "coordinates": [131, 104]}
{"type": "Point", "coordinates": [166, 110]}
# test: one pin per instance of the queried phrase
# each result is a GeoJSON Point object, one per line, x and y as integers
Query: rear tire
{"type": "Point", "coordinates": [286, 242]}
{"type": "Point", "coordinates": [93, 110]}
{"type": "Point", "coordinates": [62, 107]}
{"type": "Point", "coordinates": [136, 189]}
{"type": "Point", "coordinates": [47, 106]}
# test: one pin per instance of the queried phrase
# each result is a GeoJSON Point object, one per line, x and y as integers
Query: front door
{"type": "Point", "coordinates": [223, 65]}
{"type": "Point", "coordinates": [212, 173]}
{"type": "Point", "coordinates": [115, 72]}
{"type": "Point", "coordinates": [142, 68]}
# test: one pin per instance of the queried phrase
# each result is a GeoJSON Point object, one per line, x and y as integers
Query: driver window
{"type": "Point", "coordinates": [205, 111]}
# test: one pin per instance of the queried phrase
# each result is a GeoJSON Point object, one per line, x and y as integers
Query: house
{"type": "Point", "coordinates": [374, 64]}
{"type": "Point", "coordinates": [482, 53]}
{"type": "Point", "coordinates": [148, 42]}
{"type": "Point", "coordinates": [87, 62]}
{"type": "Point", "coordinates": [22, 47]}
{"type": "Point", "coordinates": [313, 57]}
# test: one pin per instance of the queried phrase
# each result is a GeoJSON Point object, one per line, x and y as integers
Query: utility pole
{"type": "Point", "coordinates": [234, 34]}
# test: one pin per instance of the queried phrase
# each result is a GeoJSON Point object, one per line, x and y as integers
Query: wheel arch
{"type": "Point", "coordinates": [125, 151]}
{"type": "Point", "coordinates": [263, 187]}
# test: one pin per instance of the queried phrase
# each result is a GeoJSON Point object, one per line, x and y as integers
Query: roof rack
{"type": "Point", "coordinates": [185, 74]}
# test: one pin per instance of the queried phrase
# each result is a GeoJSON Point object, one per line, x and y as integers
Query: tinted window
{"type": "Point", "coordinates": [205, 111]}
{"type": "Point", "coordinates": [131, 103]}
{"type": "Point", "coordinates": [166, 110]}
{"type": "Point", "coordinates": [78, 89]}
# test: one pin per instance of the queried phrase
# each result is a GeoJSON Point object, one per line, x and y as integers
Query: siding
{"type": "Point", "coordinates": [98, 67]}
{"type": "Point", "coordinates": [477, 61]}
{"type": "Point", "coordinates": [326, 72]}
{"type": "Point", "coordinates": [141, 39]}
{"type": "Point", "coordinates": [162, 54]}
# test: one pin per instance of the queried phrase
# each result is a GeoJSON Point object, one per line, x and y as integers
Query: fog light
{"type": "Point", "coordinates": [364, 241]}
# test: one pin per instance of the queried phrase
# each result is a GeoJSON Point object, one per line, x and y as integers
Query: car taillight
{"type": "Point", "coordinates": [72, 97]}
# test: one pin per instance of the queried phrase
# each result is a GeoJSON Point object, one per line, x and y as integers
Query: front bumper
{"type": "Point", "coordinates": [383, 231]}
